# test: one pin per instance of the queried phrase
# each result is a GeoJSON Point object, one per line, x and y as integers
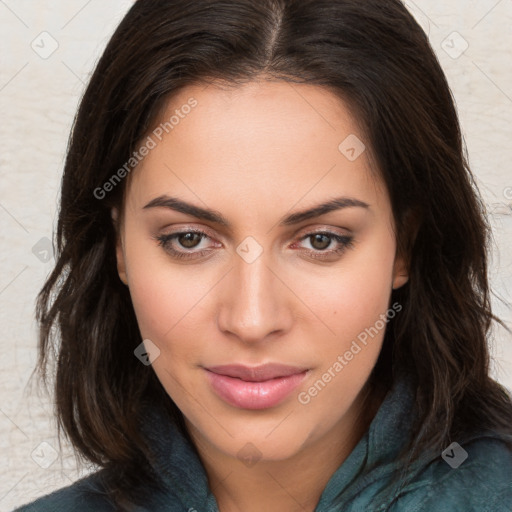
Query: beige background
{"type": "Point", "coordinates": [38, 98]}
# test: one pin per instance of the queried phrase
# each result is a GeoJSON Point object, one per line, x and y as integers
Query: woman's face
{"type": "Point", "coordinates": [256, 281]}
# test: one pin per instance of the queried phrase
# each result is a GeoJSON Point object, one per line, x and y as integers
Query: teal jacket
{"type": "Point", "coordinates": [475, 476]}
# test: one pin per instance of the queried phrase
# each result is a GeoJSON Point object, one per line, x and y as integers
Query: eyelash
{"type": "Point", "coordinates": [345, 241]}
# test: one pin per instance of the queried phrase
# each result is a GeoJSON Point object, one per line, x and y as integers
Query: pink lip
{"type": "Point", "coordinates": [257, 387]}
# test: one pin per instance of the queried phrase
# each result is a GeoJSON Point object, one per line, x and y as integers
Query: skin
{"type": "Point", "coordinates": [255, 154]}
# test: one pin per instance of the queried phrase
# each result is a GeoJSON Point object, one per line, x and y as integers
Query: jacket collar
{"type": "Point", "coordinates": [375, 456]}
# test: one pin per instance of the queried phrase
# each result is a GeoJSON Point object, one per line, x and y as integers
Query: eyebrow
{"type": "Point", "coordinates": [173, 203]}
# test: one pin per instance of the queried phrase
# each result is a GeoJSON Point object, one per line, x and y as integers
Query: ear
{"type": "Point", "coordinates": [401, 267]}
{"type": "Point", "coordinates": [120, 257]}
{"type": "Point", "coordinates": [400, 272]}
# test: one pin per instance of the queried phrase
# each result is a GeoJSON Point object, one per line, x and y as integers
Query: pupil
{"type": "Point", "coordinates": [188, 237]}
{"type": "Point", "coordinates": [319, 236]}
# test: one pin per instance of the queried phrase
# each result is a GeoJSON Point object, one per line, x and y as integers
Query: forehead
{"type": "Point", "coordinates": [262, 139]}
{"type": "Point", "coordinates": [263, 112]}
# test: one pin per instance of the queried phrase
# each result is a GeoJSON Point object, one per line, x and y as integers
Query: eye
{"type": "Point", "coordinates": [180, 244]}
{"type": "Point", "coordinates": [321, 240]}
{"type": "Point", "coordinates": [186, 239]}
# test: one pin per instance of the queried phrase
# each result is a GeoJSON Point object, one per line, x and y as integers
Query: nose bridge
{"type": "Point", "coordinates": [254, 303]}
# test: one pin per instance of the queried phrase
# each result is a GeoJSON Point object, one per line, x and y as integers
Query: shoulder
{"type": "Point", "coordinates": [82, 496]}
{"type": "Point", "coordinates": [474, 477]}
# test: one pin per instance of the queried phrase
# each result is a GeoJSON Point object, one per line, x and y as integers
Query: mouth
{"type": "Point", "coordinates": [259, 387]}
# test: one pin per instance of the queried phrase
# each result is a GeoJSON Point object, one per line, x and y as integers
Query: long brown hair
{"type": "Point", "coordinates": [376, 57]}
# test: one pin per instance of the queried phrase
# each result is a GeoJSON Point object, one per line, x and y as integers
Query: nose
{"type": "Point", "coordinates": [255, 302]}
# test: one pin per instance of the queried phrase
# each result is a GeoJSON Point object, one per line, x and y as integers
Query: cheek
{"type": "Point", "coordinates": [362, 298]}
{"type": "Point", "coordinates": [355, 309]}
{"type": "Point", "coordinates": [167, 306]}
{"type": "Point", "coordinates": [165, 298]}
{"type": "Point", "coordinates": [352, 296]}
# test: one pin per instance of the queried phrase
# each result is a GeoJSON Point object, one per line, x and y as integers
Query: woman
{"type": "Point", "coordinates": [271, 286]}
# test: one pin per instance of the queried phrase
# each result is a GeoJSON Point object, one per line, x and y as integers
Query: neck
{"type": "Point", "coordinates": [289, 485]}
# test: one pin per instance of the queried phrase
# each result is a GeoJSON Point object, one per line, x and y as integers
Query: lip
{"type": "Point", "coordinates": [258, 387]}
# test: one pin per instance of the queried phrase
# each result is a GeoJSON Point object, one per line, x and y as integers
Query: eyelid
{"type": "Point", "coordinates": [308, 230]}
{"type": "Point", "coordinates": [190, 229]}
